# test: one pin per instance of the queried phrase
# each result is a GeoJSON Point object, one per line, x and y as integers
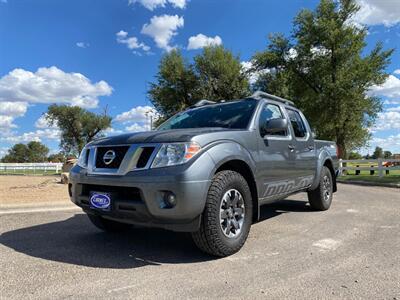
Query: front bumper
{"type": "Point", "coordinates": [137, 197]}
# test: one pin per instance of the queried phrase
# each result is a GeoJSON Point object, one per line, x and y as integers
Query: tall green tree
{"type": "Point", "coordinates": [16, 154]}
{"type": "Point", "coordinates": [387, 154]}
{"type": "Point", "coordinates": [220, 74]}
{"type": "Point", "coordinates": [378, 153]}
{"type": "Point", "coordinates": [214, 74]}
{"type": "Point", "coordinates": [78, 126]}
{"type": "Point", "coordinates": [323, 67]}
{"type": "Point", "coordinates": [57, 157]}
{"type": "Point", "coordinates": [31, 152]}
{"type": "Point", "coordinates": [37, 152]}
{"type": "Point", "coordinates": [176, 86]}
{"type": "Point", "coordinates": [355, 155]}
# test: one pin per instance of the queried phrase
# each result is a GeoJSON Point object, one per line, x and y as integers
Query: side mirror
{"type": "Point", "coordinates": [275, 125]}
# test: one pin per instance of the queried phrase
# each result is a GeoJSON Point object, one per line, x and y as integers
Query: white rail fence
{"type": "Point", "coordinates": [382, 166]}
{"type": "Point", "coordinates": [30, 168]}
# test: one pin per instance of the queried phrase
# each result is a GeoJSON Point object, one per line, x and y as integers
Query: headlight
{"type": "Point", "coordinates": [175, 154]}
{"type": "Point", "coordinates": [83, 158]}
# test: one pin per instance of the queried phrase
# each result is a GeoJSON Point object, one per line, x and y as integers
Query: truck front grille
{"type": "Point", "coordinates": [144, 157]}
{"type": "Point", "coordinates": [119, 151]}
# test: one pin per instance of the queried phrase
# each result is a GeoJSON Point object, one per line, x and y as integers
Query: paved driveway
{"type": "Point", "coordinates": [350, 251]}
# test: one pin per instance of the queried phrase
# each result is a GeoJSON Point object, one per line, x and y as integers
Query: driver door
{"type": "Point", "coordinates": [276, 157]}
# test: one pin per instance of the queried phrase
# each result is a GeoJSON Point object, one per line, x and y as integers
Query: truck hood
{"type": "Point", "coordinates": [162, 136]}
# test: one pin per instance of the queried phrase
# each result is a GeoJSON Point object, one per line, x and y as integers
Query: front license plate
{"type": "Point", "coordinates": [100, 201]}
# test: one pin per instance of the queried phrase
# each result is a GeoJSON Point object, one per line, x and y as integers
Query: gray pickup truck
{"type": "Point", "coordinates": [206, 170]}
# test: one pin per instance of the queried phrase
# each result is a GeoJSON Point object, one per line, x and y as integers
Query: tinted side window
{"type": "Point", "coordinates": [297, 123]}
{"type": "Point", "coordinates": [270, 112]}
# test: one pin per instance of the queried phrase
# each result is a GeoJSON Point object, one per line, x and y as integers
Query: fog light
{"type": "Point", "coordinates": [169, 199]}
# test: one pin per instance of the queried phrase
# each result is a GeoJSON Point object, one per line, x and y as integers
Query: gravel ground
{"type": "Point", "coordinates": [33, 190]}
{"type": "Point", "coordinates": [351, 251]}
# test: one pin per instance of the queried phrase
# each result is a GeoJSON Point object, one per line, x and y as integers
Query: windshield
{"type": "Point", "coordinates": [235, 115]}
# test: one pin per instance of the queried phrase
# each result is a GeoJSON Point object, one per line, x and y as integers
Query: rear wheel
{"type": "Point", "coordinates": [227, 216]}
{"type": "Point", "coordinates": [108, 225]}
{"type": "Point", "coordinates": [321, 197]}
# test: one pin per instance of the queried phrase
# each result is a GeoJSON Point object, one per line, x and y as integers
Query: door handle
{"type": "Point", "coordinates": [310, 148]}
{"type": "Point", "coordinates": [291, 148]}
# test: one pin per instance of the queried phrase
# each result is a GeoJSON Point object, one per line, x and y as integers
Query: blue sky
{"type": "Point", "coordinates": [99, 54]}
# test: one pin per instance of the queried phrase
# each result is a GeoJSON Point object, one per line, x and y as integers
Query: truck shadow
{"type": "Point", "coordinates": [76, 241]}
{"type": "Point", "coordinates": [281, 207]}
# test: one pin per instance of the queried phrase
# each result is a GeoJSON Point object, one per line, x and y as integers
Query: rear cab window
{"type": "Point", "coordinates": [298, 125]}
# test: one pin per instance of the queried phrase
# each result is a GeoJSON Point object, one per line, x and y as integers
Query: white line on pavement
{"type": "Point", "coordinates": [37, 210]}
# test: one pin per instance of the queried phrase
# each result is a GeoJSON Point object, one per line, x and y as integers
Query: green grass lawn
{"type": "Point", "coordinates": [372, 178]}
{"type": "Point", "coordinates": [392, 177]}
{"type": "Point", "coordinates": [28, 172]}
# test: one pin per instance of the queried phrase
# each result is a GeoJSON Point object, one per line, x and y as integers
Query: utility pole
{"type": "Point", "coordinates": [149, 114]}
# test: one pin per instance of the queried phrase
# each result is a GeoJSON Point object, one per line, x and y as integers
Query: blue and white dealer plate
{"type": "Point", "coordinates": [100, 200]}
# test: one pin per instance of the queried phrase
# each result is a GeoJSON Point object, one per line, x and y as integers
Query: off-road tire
{"type": "Point", "coordinates": [108, 225]}
{"type": "Point", "coordinates": [317, 198]}
{"type": "Point", "coordinates": [210, 237]}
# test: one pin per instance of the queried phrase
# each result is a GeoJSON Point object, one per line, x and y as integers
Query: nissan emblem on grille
{"type": "Point", "coordinates": [109, 156]}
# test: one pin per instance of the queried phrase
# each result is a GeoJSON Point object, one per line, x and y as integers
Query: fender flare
{"type": "Point", "coordinates": [323, 157]}
{"type": "Point", "coordinates": [225, 151]}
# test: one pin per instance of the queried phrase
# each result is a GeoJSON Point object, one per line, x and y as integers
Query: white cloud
{"type": "Point", "coordinates": [112, 131]}
{"type": "Point", "coordinates": [376, 12]}
{"type": "Point", "coordinates": [15, 109]}
{"type": "Point", "coordinates": [6, 122]}
{"type": "Point", "coordinates": [390, 143]}
{"type": "Point", "coordinates": [162, 29]}
{"type": "Point", "coordinates": [138, 118]}
{"type": "Point", "coordinates": [3, 151]}
{"type": "Point", "coordinates": [153, 4]}
{"type": "Point", "coordinates": [317, 51]}
{"type": "Point", "coordinates": [136, 114]}
{"type": "Point", "coordinates": [131, 42]}
{"type": "Point", "coordinates": [82, 45]}
{"type": "Point", "coordinates": [397, 72]}
{"type": "Point", "coordinates": [178, 3]}
{"type": "Point", "coordinates": [387, 120]}
{"type": "Point", "coordinates": [38, 135]}
{"type": "Point", "coordinates": [135, 127]}
{"type": "Point", "coordinates": [390, 88]}
{"type": "Point", "coordinates": [43, 123]}
{"type": "Point", "coordinates": [9, 111]}
{"type": "Point", "coordinates": [51, 85]}
{"type": "Point", "coordinates": [394, 109]}
{"type": "Point", "coordinates": [389, 102]}
{"type": "Point", "coordinates": [200, 41]}
{"type": "Point", "coordinates": [253, 75]}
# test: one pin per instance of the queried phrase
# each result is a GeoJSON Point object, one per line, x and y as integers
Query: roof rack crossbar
{"type": "Point", "coordinates": [261, 94]}
{"type": "Point", "coordinates": [202, 103]}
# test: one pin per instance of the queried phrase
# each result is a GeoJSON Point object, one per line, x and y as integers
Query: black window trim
{"type": "Point", "coordinates": [300, 139]}
{"type": "Point", "coordinates": [288, 136]}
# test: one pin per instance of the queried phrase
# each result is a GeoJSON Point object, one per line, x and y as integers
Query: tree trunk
{"type": "Point", "coordinates": [341, 149]}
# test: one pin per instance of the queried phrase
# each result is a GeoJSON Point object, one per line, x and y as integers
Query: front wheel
{"type": "Point", "coordinates": [227, 215]}
{"type": "Point", "coordinates": [321, 197]}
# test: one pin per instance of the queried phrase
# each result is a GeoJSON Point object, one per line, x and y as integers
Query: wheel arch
{"type": "Point", "coordinates": [241, 167]}
{"type": "Point", "coordinates": [324, 160]}
{"type": "Point", "coordinates": [329, 164]}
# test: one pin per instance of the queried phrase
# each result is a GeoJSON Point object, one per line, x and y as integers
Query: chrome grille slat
{"type": "Point", "coordinates": [129, 162]}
